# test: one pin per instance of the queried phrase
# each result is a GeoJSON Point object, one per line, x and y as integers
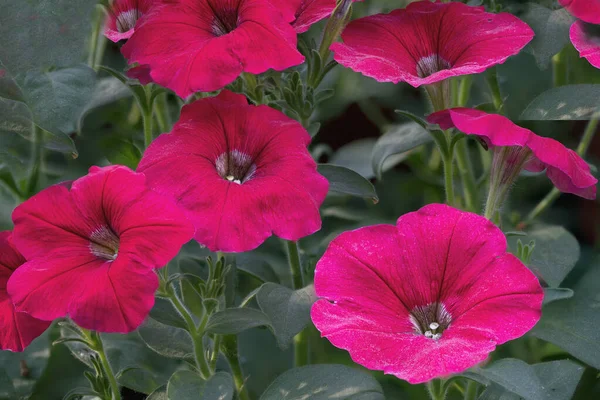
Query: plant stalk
{"type": "Point", "coordinates": [301, 343]}
{"type": "Point", "coordinates": [230, 349]}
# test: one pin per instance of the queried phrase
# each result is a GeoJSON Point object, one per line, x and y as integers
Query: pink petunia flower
{"type": "Point", "coordinates": [203, 45]}
{"type": "Point", "coordinates": [17, 329]}
{"type": "Point", "coordinates": [92, 249]}
{"type": "Point", "coordinates": [429, 297]}
{"type": "Point", "coordinates": [305, 13]}
{"type": "Point", "coordinates": [586, 39]}
{"type": "Point", "coordinates": [517, 148]}
{"type": "Point", "coordinates": [141, 73]}
{"type": "Point", "coordinates": [240, 172]}
{"type": "Point", "coordinates": [586, 10]}
{"type": "Point", "coordinates": [123, 16]}
{"type": "Point", "coordinates": [429, 42]}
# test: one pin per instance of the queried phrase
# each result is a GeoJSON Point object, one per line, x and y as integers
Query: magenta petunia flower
{"type": "Point", "coordinates": [92, 250]}
{"type": "Point", "coordinates": [586, 39]}
{"type": "Point", "coordinates": [429, 297]}
{"type": "Point", "coordinates": [123, 16]}
{"type": "Point", "coordinates": [240, 172]}
{"type": "Point", "coordinates": [429, 42]}
{"type": "Point", "coordinates": [304, 13]}
{"type": "Point", "coordinates": [586, 10]}
{"type": "Point", "coordinates": [203, 45]}
{"type": "Point", "coordinates": [17, 329]}
{"type": "Point", "coordinates": [517, 148]}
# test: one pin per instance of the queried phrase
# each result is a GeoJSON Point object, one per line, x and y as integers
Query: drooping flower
{"type": "Point", "coordinates": [240, 172]}
{"type": "Point", "coordinates": [17, 329]}
{"type": "Point", "coordinates": [586, 39]}
{"type": "Point", "coordinates": [429, 297]}
{"type": "Point", "coordinates": [203, 45]}
{"type": "Point", "coordinates": [123, 16]}
{"type": "Point", "coordinates": [429, 42]}
{"type": "Point", "coordinates": [586, 10]}
{"type": "Point", "coordinates": [517, 148]}
{"type": "Point", "coordinates": [92, 249]}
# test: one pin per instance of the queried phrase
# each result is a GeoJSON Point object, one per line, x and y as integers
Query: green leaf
{"type": "Point", "coordinates": [139, 379]}
{"type": "Point", "coordinates": [397, 141]}
{"type": "Point", "coordinates": [106, 91]}
{"type": "Point", "coordinates": [7, 390]}
{"type": "Point", "coordinates": [555, 254]}
{"type": "Point", "coordinates": [166, 340]}
{"type": "Point", "coordinates": [54, 101]}
{"type": "Point", "coordinates": [288, 310]}
{"type": "Point", "coordinates": [188, 385]}
{"type": "Point", "coordinates": [557, 380]}
{"type": "Point", "coordinates": [324, 382]}
{"type": "Point", "coordinates": [551, 32]}
{"type": "Point", "coordinates": [123, 152]}
{"type": "Point", "coordinates": [345, 181]}
{"type": "Point", "coordinates": [572, 324]}
{"type": "Point", "coordinates": [554, 294]}
{"type": "Point", "coordinates": [159, 394]}
{"type": "Point", "coordinates": [571, 102]}
{"type": "Point", "coordinates": [56, 34]}
{"type": "Point", "coordinates": [236, 320]}
{"type": "Point", "coordinates": [164, 312]}
{"type": "Point", "coordinates": [256, 265]}
{"type": "Point", "coordinates": [356, 156]}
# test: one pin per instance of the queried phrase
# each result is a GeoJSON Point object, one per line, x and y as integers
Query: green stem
{"type": "Point", "coordinates": [471, 392]}
{"type": "Point", "coordinates": [492, 80]}
{"type": "Point", "coordinates": [335, 26]}
{"type": "Point", "coordinates": [464, 91]}
{"type": "Point", "coordinates": [161, 111]}
{"type": "Point", "coordinates": [216, 351]}
{"type": "Point", "coordinates": [301, 343]}
{"type": "Point", "coordinates": [94, 341]}
{"type": "Point", "coordinates": [196, 333]}
{"type": "Point", "coordinates": [147, 122]}
{"type": "Point", "coordinates": [554, 194]}
{"type": "Point", "coordinates": [230, 349]}
{"type": "Point", "coordinates": [449, 178]}
{"type": "Point", "coordinates": [436, 389]}
{"type": "Point", "coordinates": [465, 170]}
{"type": "Point", "coordinates": [96, 36]}
{"type": "Point", "coordinates": [37, 155]}
{"type": "Point", "coordinates": [559, 69]}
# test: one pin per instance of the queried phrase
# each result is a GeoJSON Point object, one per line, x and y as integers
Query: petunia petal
{"type": "Point", "coordinates": [586, 10]}
{"type": "Point", "coordinates": [586, 41]}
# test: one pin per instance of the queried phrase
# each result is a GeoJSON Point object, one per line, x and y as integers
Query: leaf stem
{"type": "Point", "coordinates": [436, 389]}
{"type": "Point", "coordinates": [465, 170]}
{"type": "Point", "coordinates": [471, 392]}
{"type": "Point", "coordinates": [37, 156]}
{"type": "Point", "coordinates": [196, 333]}
{"type": "Point", "coordinates": [94, 341]}
{"type": "Point", "coordinates": [554, 194]}
{"type": "Point", "coordinates": [492, 80]}
{"type": "Point", "coordinates": [94, 55]}
{"type": "Point", "coordinates": [301, 343]}
{"type": "Point", "coordinates": [161, 112]}
{"type": "Point", "coordinates": [230, 350]}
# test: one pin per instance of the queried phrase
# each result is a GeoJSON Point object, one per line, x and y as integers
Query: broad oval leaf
{"type": "Point", "coordinates": [572, 324]}
{"type": "Point", "coordinates": [551, 29]}
{"type": "Point", "coordinates": [166, 340]}
{"type": "Point", "coordinates": [554, 294]}
{"type": "Point", "coordinates": [235, 320]}
{"type": "Point", "coordinates": [571, 102]}
{"type": "Point", "coordinates": [555, 254]}
{"type": "Point", "coordinates": [345, 181]}
{"type": "Point", "coordinates": [188, 385]}
{"type": "Point", "coordinates": [324, 382]}
{"type": "Point", "coordinates": [515, 376]}
{"type": "Point", "coordinates": [288, 310]}
{"type": "Point", "coordinates": [164, 312]}
{"type": "Point", "coordinates": [397, 141]}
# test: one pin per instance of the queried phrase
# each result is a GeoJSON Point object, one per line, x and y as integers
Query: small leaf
{"type": "Point", "coordinates": [557, 379]}
{"type": "Point", "coordinates": [555, 254]}
{"type": "Point", "coordinates": [515, 376]}
{"type": "Point", "coordinates": [164, 312]}
{"type": "Point", "coordinates": [398, 140]}
{"type": "Point", "coordinates": [288, 310]}
{"type": "Point", "coordinates": [571, 102]}
{"type": "Point", "coordinates": [236, 320]}
{"type": "Point", "coordinates": [551, 32]}
{"type": "Point", "coordinates": [324, 382]}
{"type": "Point", "coordinates": [139, 379]}
{"type": "Point", "coordinates": [188, 385]}
{"type": "Point", "coordinates": [166, 340]}
{"type": "Point", "coordinates": [554, 294]}
{"type": "Point", "coordinates": [345, 181]}
{"type": "Point", "coordinates": [572, 324]}
{"type": "Point", "coordinates": [123, 152]}
{"type": "Point", "coordinates": [418, 120]}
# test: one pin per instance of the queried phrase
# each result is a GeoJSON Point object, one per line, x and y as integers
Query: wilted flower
{"type": "Point", "coordinates": [240, 172]}
{"type": "Point", "coordinates": [17, 329]}
{"type": "Point", "coordinates": [92, 249]}
{"type": "Point", "coordinates": [429, 297]}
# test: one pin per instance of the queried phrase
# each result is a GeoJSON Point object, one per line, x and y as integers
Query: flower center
{"type": "Point", "coordinates": [224, 21]}
{"type": "Point", "coordinates": [126, 20]}
{"type": "Point", "coordinates": [430, 320]}
{"type": "Point", "coordinates": [235, 166]}
{"type": "Point", "coordinates": [431, 64]}
{"type": "Point", "coordinates": [104, 243]}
